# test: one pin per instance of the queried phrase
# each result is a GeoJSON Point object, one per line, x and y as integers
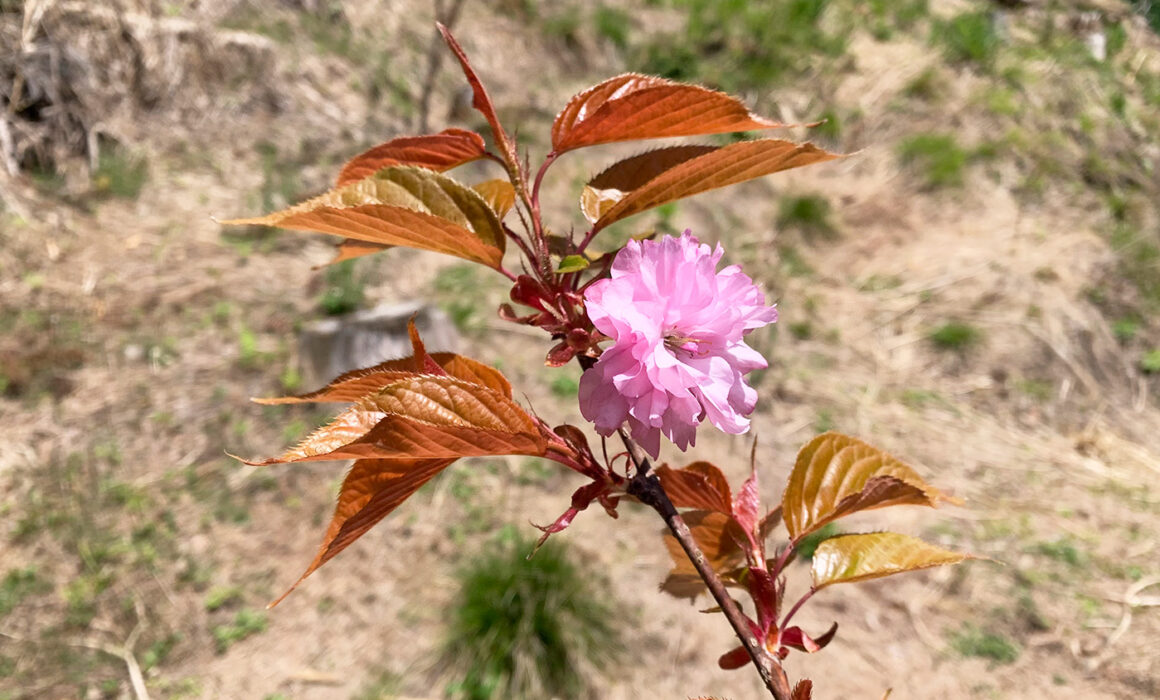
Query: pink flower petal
{"type": "Point", "coordinates": [678, 356]}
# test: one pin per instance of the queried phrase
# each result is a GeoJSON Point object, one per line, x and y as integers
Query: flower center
{"type": "Point", "coordinates": [680, 344]}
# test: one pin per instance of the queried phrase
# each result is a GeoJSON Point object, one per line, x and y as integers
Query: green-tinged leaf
{"type": "Point", "coordinates": [718, 538]}
{"type": "Point", "coordinates": [372, 489]}
{"type": "Point", "coordinates": [499, 195]}
{"type": "Point", "coordinates": [851, 558]}
{"type": "Point", "coordinates": [404, 206]}
{"type": "Point", "coordinates": [632, 106]}
{"type": "Point", "coordinates": [698, 485]}
{"type": "Point", "coordinates": [572, 263]}
{"type": "Point", "coordinates": [695, 173]}
{"type": "Point", "coordinates": [448, 149]}
{"type": "Point", "coordinates": [423, 417]}
{"type": "Point", "coordinates": [836, 475]}
{"type": "Point", "coordinates": [610, 186]}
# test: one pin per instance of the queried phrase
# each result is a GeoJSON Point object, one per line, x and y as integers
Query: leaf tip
{"type": "Point", "coordinates": [247, 462]}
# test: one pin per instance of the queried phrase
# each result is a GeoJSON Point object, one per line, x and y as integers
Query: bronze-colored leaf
{"type": "Point", "coordinates": [632, 106]}
{"type": "Point", "coordinates": [403, 206]}
{"type": "Point", "coordinates": [423, 417]}
{"type": "Point", "coordinates": [699, 485]}
{"type": "Point", "coordinates": [717, 536]}
{"type": "Point", "coordinates": [694, 174]}
{"type": "Point", "coordinates": [350, 248]}
{"type": "Point", "coordinates": [610, 186]}
{"type": "Point", "coordinates": [499, 195]}
{"type": "Point", "coordinates": [836, 475]}
{"type": "Point", "coordinates": [372, 489]}
{"type": "Point", "coordinates": [356, 384]}
{"type": "Point", "coordinates": [804, 690]}
{"type": "Point", "coordinates": [482, 102]}
{"type": "Point", "coordinates": [448, 149]}
{"type": "Point", "coordinates": [851, 558]}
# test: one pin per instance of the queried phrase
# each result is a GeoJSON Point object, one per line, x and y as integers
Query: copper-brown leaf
{"type": "Point", "coordinates": [609, 187]}
{"type": "Point", "coordinates": [718, 538]}
{"type": "Point", "coordinates": [448, 149]}
{"type": "Point", "coordinates": [836, 475]}
{"type": "Point", "coordinates": [851, 558]}
{"type": "Point", "coordinates": [423, 417]}
{"type": "Point", "coordinates": [372, 489]}
{"type": "Point", "coordinates": [404, 206]}
{"type": "Point", "coordinates": [482, 102]}
{"type": "Point", "coordinates": [633, 106]}
{"type": "Point", "coordinates": [356, 384]}
{"type": "Point", "coordinates": [719, 167]}
{"type": "Point", "coordinates": [350, 248]}
{"type": "Point", "coordinates": [699, 485]}
{"type": "Point", "coordinates": [804, 690]}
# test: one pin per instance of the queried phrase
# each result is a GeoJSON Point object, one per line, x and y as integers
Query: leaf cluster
{"type": "Point", "coordinates": [834, 476]}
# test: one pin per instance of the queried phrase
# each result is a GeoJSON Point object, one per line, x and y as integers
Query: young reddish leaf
{"type": "Point", "coordinates": [610, 186]}
{"type": "Point", "coordinates": [763, 590]}
{"type": "Point", "coordinates": [423, 417]}
{"type": "Point", "coordinates": [581, 499]}
{"type": "Point", "coordinates": [372, 489]}
{"type": "Point", "coordinates": [851, 558]}
{"type": "Point", "coordinates": [699, 485]}
{"type": "Point", "coordinates": [633, 106]}
{"type": "Point", "coordinates": [804, 690]}
{"type": "Point", "coordinates": [836, 475]}
{"type": "Point", "coordinates": [796, 638]}
{"type": "Point", "coordinates": [482, 102]}
{"type": "Point", "coordinates": [734, 659]}
{"type": "Point", "coordinates": [718, 537]}
{"type": "Point", "coordinates": [719, 167]}
{"type": "Point", "coordinates": [748, 504]}
{"type": "Point", "coordinates": [499, 195]}
{"type": "Point", "coordinates": [401, 206]}
{"type": "Point", "coordinates": [448, 149]}
{"type": "Point", "coordinates": [769, 521]}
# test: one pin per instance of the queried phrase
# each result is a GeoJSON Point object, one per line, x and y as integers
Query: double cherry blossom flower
{"type": "Point", "coordinates": [678, 354]}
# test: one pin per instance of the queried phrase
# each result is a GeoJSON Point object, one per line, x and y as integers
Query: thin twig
{"type": "Point", "coordinates": [647, 488]}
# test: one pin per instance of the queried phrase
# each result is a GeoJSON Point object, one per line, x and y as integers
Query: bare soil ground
{"type": "Point", "coordinates": [134, 329]}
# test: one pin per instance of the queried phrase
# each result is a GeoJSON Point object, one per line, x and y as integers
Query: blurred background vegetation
{"type": "Point", "coordinates": [977, 288]}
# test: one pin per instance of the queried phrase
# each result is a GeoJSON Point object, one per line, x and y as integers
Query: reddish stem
{"type": "Point", "coordinates": [540, 178]}
{"type": "Point", "coordinates": [782, 560]}
{"type": "Point", "coordinates": [647, 488]}
{"type": "Point", "coordinates": [794, 609]}
{"type": "Point", "coordinates": [586, 240]}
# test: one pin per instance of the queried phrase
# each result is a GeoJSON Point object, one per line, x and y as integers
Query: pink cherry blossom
{"type": "Point", "coordinates": [678, 355]}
